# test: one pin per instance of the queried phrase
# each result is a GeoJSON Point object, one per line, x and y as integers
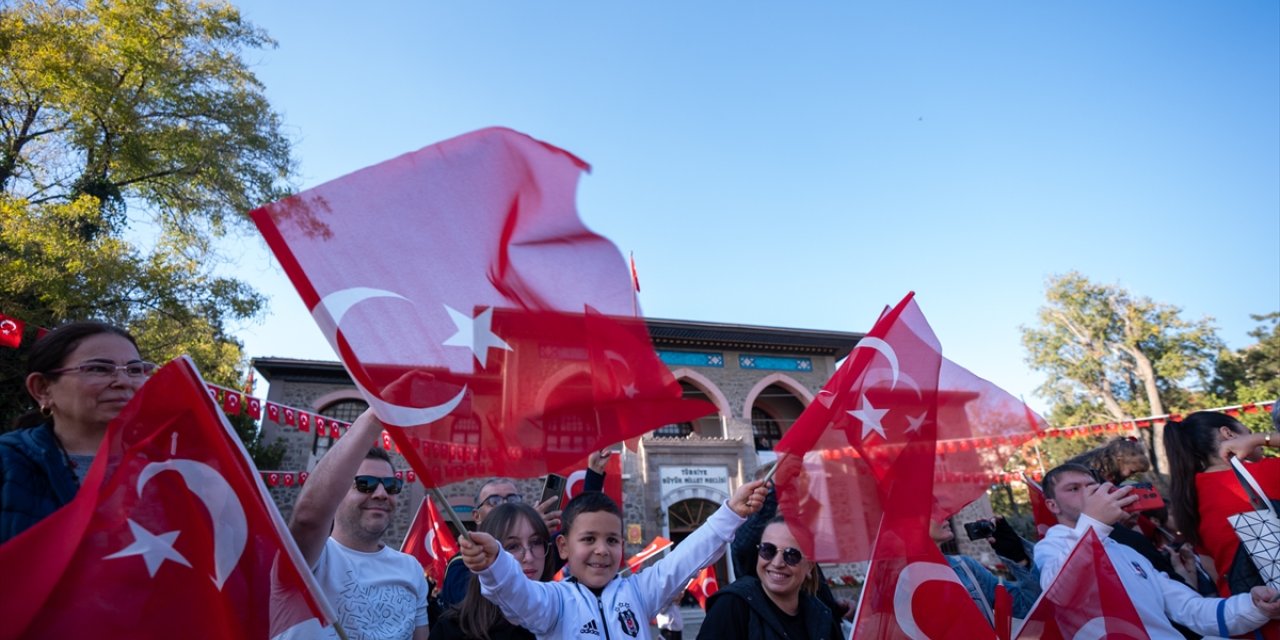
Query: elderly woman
{"type": "Point", "coordinates": [779, 603]}
{"type": "Point", "coordinates": [80, 375]}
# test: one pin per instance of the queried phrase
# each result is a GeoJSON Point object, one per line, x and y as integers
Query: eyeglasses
{"type": "Point", "coordinates": [109, 369]}
{"type": "Point", "coordinates": [535, 548]}
{"type": "Point", "coordinates": [495, 499]}
{"type": "Point", "coordinates": [369, 484]}
{"type": "Point", "coordinates": [791, 555]}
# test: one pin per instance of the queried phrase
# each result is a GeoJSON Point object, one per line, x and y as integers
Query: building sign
{"type": "Point", "coordinates": [693, 482]}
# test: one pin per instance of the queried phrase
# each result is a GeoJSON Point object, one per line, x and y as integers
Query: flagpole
{"type": "Point", "coordinates": [777, 463]}
{"type": "Point", "coordinates": [449, 512]}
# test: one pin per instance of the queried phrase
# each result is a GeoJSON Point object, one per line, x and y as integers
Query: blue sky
{"type": "Point", "coordinates": [804, 164]}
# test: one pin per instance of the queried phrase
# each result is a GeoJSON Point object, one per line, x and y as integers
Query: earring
{"type": "Point", "coordinates": [46, 410]}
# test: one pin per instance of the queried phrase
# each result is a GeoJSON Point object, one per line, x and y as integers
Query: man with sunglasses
{"type": "Point", "coordinates": [377, 592]}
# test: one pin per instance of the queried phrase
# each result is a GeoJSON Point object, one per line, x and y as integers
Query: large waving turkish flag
{"type": "Point", "coordinates": [479, 316]}
{"type": "Point", "coordinates": [172, 535]}
{"type": "Point", "coordinates": [836, 463]}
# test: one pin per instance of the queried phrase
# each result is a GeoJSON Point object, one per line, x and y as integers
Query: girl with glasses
{"type": "Point", "coordinates": [779, 604]}
{"type": "Point", "coordinates": [520, 529]}
{"type": "Point", "coordinates": [80, 376]}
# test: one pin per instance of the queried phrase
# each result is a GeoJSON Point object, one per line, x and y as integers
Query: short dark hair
{"type": "Point", "coordinates": [587, 502]}
{"type": "Point", "coordinates": [1051, 478]}
{"type": "Point", "coordinates": [378, 453]}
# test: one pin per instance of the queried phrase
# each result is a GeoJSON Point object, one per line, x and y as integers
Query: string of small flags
{"type": "Point", "coordinates": [283, 478]}
{"type": "Point", "coordinates": [234, 402]}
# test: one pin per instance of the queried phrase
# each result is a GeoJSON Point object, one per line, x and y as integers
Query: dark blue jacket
{"type": "Point", "coordinates": [34, 479]}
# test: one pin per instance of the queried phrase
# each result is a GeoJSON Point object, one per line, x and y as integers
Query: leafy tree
{"type": "Point", "coordinates": [132, 135]}
{"type": "Point", "coordinates": [1252, 374]}
{"type": "Point", "coordinates": [1111, 355]}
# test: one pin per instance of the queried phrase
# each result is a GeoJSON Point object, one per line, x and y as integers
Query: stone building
{"type": "Point", "coordinates": [759, 378]}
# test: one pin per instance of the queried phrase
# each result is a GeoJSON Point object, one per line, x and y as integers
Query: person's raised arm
{"type": "Point", "coordinates": [318, 502]}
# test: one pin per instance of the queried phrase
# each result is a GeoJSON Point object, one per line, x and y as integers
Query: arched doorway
{"type": "Point", "coordinates": [683, 518]}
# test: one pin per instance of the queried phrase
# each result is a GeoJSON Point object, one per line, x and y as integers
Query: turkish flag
{"type": "Point", "coordinates": [304, 421]}
{"type": "Point", "coordinates": [658, 545]}
{"type": "Point", "coordinates": [454, 283]}
{"type": "Point", "coordinates": [1040, 512]}
{"type": "Point", "coordinates": [255, 408]}
{"type": "Point", "coordinates": [273, 412]}
{"type": "Point", "coordinates": [321, 426]}
{"type": "Point", "coordinates": [11, 331]}
{"type": "Point", "coordinates": [834, 463]}
{"type": "Point", "coordinates": [289, 417]}
{"type": "Point", "coordinates": [704, 585]}
{"type": "Point", "coordinates": [576, 477]}
{"type": "Point", "coordinates": [911, 591]}
{"type": "Point", "coordinates": [171, 535]}
{"type": "Point", "coordinates": [1086, 600]}
{"type": "Point", "coordinates": [231, 403]}
{"type": "Point", "coordinates": [430, 541]}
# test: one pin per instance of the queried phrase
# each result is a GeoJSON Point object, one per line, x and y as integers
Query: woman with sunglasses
{"type": "Point", "coordinates": [80, 375]}
{"type": "Point", "coordinates": [523, 533]}
{"type": "Point", "coordinates": [779, 604]}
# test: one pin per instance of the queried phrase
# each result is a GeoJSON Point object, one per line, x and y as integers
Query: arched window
{"type": "Point", "coordinates": [344, 410]}
{"type": "Point", "coordinates": [764, 429]}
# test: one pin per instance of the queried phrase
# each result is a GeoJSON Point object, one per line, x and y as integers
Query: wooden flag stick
{"type": "Point", "coordinates": [449, 512]}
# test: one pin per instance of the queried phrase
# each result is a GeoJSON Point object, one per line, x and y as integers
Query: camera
{"type": "Point", "coordinates": [980, 529]}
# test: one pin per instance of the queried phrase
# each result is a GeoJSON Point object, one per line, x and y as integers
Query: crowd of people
{"type": "Point", "coordinates": [1184, 567]}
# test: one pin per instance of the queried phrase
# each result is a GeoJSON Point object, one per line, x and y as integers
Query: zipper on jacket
{"type": "Point", "coordinates": [604, 623]}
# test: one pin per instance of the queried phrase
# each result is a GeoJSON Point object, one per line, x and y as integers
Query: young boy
{"type": "Point", "coordinates": [595, 602]}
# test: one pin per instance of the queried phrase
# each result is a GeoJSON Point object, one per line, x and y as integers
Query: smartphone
{"type": "Point", "coordinates": [1148, 498]}
{"type": "Point", "coordinates": [553, 487]}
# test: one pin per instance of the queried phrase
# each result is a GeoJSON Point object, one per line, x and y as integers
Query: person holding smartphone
{"type": "Point", "coordinates": [1014, 551]}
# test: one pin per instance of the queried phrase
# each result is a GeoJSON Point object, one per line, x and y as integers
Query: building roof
{"type": "Point", "coordinates": [665, 333]}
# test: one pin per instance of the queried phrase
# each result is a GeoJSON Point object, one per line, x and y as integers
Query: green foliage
{"type": "Point", "coordinates": [132, 135]}
{"type": "Point", "coordinates": [1109, 354]}
{"type": "Point", "coordinates": [1252, 374]}
{"type": "Point", "coordinates": [264, 456]}
{"type": "Point", "coordinates": [49, 273]}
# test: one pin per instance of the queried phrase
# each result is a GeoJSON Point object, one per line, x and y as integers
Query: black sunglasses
{"type": "Point", "coordinates": [791, 555]}
{"type": "Point", "coordinates": [369, 484]}
{"type": "Point", "coordinates": [495, 499]}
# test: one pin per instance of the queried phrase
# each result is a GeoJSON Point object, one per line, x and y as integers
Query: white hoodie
{"type": "Point", "coordinates": [623, 609]}
{"type": "Point", "coordinates": [1157, 597]}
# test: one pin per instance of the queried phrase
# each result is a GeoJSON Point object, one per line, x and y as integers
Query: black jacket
{"type": "Point", "coordinates": [724, 615]}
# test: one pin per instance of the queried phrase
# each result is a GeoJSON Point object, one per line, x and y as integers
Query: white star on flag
{"type": "Point", "coordinates": [870, 417]}
{"type": "Point", "coordinates": [154, 549]}
{"type": "Point", "coordinates": [630, 390]}
{"type": "Point", "coordinates": [475, 333]}
{"type": "Point", "coordinates": [915, 422]}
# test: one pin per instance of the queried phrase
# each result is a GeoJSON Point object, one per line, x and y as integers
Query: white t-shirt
{"type": "Point", "coordinates": [375, 596]}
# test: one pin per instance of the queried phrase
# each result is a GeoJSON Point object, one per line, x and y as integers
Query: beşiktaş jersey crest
{"type": "Point", "coordinates": [627, 619]}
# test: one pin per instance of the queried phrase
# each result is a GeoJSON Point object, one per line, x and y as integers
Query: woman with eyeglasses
{"type": "Point", "coordinates": [523, 533]}
{"type": "Point", "coordinates": [779, 604]}
{"type": "Point", "coordinates": [80, 375]}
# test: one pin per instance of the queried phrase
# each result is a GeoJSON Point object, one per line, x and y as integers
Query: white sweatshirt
{"type": "Point", "coordinates": [1156, 597]}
